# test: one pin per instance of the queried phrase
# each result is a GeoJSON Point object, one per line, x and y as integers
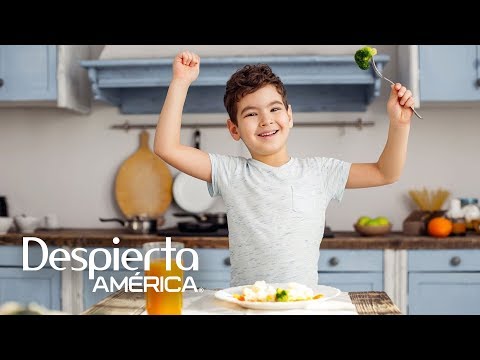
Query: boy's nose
{"type": "Point", "coordinates": [265, 121]}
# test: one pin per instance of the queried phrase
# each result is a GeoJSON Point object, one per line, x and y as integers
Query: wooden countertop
{"type": "Point", "coordinates": [133, 303]}
{"type": "Point", "coordinates": [342, 240]}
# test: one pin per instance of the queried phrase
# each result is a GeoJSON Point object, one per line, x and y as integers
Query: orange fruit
{"type": "Point", "coordinates": [439, 227]}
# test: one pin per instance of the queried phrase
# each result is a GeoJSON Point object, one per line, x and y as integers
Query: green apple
{"type": "Point", "coordinates": [373, 222]}
{"type": "Point", "coordinates": [382, 220]}
{"type": "Point", "coordinates": [363, 220]}
{"type": "Point", "coordinates": [378, 221]}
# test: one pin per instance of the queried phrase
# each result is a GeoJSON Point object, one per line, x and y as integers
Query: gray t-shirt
{"type": "Point", "coordinates": [276, 215]}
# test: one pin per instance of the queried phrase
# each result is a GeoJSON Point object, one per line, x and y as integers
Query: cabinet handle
{"type": "Point", "coordinates": [1, 82]}
{"type": "Point", "coordinates": [455, 261]}
{"type": "Point", "coordinates": [333, 261]}
{"type": "Point", "coordinates": [227, 261]}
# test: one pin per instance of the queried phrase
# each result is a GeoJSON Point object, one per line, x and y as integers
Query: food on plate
{"type": "Point", "coordinates": [363, 57]}
{"type": "Point", "coordinates": [262, 292]}
{"type": "Point", "coordinates": [15, 308]}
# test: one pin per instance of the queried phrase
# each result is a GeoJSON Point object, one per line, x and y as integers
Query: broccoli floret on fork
{"type": "Point", "coordinates": [364, 56]}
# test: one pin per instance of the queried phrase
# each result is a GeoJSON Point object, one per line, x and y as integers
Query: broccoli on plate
{"type": "Point", "coordinates": [281, 295]}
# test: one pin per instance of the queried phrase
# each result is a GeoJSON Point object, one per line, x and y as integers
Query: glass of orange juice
{"type": "Point", "coordinates": [165, 301]}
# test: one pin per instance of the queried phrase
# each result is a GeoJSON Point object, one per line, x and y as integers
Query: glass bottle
{"type": "Point", "coordinates": [459, 227]}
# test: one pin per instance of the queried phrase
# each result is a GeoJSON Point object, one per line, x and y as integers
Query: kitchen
{"type": "Point", "coordinates": [65, 163]}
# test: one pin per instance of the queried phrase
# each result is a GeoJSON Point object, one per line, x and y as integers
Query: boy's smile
{"type": "Point", "coordinates": [263, 124]}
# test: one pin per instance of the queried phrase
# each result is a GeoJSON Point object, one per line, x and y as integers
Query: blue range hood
{"type": "Point", "coordinates": [314, 83]}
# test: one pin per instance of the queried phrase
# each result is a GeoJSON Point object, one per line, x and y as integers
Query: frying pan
{"type": "Point", "coordinates": [187, 226]}
{"type": "Point", "coordinates": [219, 219]}
{"type": "Point", "coordinates": [191, 194]}
{"type": "Point", "coordinates": [139, 225]}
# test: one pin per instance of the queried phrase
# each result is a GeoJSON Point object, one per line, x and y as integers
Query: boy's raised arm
{"type": "Point", "coordinates": [389, 166]}
{"type": "Point", "coordinates": [167, 146]}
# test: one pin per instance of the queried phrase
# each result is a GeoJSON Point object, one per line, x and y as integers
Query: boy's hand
{"type": "Point", "coordinates": [186, 67]}
{"type": "Point", "coordinates": [398, 105]}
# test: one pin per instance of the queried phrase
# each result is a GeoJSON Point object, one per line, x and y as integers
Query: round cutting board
{"type": "Point", "coordinates": [143, 186]}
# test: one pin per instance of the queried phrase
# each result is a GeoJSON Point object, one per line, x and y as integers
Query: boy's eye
{"type": "Point", "coordinates": [251, 114]}
{"type": "Point", "coordinates": [275, 109]}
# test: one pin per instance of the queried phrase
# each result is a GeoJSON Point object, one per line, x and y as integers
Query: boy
{"type": "Point", "coordinates": [275, 203]}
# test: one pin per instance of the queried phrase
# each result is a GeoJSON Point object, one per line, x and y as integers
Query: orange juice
{"type": "Point", "coordinates": [164, 302]}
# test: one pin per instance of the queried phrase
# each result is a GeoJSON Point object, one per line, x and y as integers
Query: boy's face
{"type": "Point", "coordinates": [263, 122]}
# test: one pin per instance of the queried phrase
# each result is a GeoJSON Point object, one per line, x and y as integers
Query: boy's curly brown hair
{"type": "Point", "coordinates": [247, 80]}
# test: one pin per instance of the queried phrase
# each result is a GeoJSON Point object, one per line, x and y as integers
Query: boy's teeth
{"type": "Point", "coordinates": [270, 133]}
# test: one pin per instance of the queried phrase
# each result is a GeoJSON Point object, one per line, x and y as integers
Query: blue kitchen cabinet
{"type": "Point", "coordinates": [28, 72]}
{"type": "Point", "coordinates": [348, 270]}
{"type": "Point", "coordinates": [44, 76]}
{"type": "Point", "coordinates": [42, 287]}
{"type": "Point", "coordinates": [442, 282]}
{"type": "Point", "coordinates": [351, 270]}
{"type": "Point", "coordinates": [213, 268]}
{"type": "Point", "coordinates": [449, 72]}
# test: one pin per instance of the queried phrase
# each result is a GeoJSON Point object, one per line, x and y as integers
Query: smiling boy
{"type": "Point", "coordinates": [275, 203]}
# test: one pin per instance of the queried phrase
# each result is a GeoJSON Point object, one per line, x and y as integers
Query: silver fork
{"type": "Point", "coordinates": [391, 82]}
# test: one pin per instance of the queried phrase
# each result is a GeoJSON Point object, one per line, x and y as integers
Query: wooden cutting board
{"type": "Point", "coordinates": [143, 186]}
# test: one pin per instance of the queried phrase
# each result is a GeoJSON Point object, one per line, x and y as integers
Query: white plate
{"type": "Point", "coordinates": [227, 295]}
{"type": "Point", "coordinates": [191, 194]}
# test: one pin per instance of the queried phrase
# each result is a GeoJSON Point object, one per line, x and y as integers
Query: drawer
{"type": "Point", "coordinates": [13, 256]}
{"type": "Point", "coordinates": [444, 260]}
{"type": "Point", "coordinates": [350, 260]}
{"type": "Point", "coordinates": [210, 259]}
{"type": "Point", "coordinates": [443, 293]}
{"type": "Point", "coordinates": [209, 275]}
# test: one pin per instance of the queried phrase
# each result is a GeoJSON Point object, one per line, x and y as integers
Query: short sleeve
{"type": "Point", "coordinates": [223, 166]}
{"type": "Point", "coordinates": [335, 174]}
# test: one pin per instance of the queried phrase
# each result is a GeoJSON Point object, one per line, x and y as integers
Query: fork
{"type": "Point", "coordinates": [391, 82]}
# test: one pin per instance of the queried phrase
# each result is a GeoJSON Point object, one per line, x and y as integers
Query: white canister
{"type": "Point", "coordinates": [51, 221]}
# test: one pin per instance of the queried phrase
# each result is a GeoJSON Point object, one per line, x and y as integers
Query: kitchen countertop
{"type": "Point", "coordinates": [133, 303]}
{"type": "Point", "coordinates": [342, 240]}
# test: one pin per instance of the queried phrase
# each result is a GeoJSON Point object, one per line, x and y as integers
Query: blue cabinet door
{"type": "Point", "coordinates": [351, 270]}
{"type": "Point", "coordinates": [28, 72]}
{"type": "Point", "coordinates": [449, 72]}
{"type": "Point", "coordinates": [352, 281]}
{"type": "Point", "coordinates": [42, 287]}
{"type": "Point", "coordinates": [210, 280]}
{"type": "Point", "coordinates": [213, 268]}
{"type": "Point", "coordinates": [444, 294]}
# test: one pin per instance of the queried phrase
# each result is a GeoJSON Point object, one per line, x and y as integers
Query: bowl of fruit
{"type": "Point", "coordinates": [368, 226]}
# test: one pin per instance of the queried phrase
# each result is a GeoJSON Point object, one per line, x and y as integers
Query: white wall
{"type": "Point", "coordinates": [152, 51]}
{"type": "Point", "coordinates": [55, 161]}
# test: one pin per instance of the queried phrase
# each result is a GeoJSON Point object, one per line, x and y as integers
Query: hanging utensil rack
{"type": "Point", "coordinates": [359, 124]}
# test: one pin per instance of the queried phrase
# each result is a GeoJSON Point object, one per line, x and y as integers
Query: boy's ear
{"type": "Point", "coordinates": [290, 116]}
{"type": "Point", "coordinates": [233, 130]}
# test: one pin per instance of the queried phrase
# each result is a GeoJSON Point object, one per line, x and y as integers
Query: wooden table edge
{"type": "Point", "coordinates": [133, 303]}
